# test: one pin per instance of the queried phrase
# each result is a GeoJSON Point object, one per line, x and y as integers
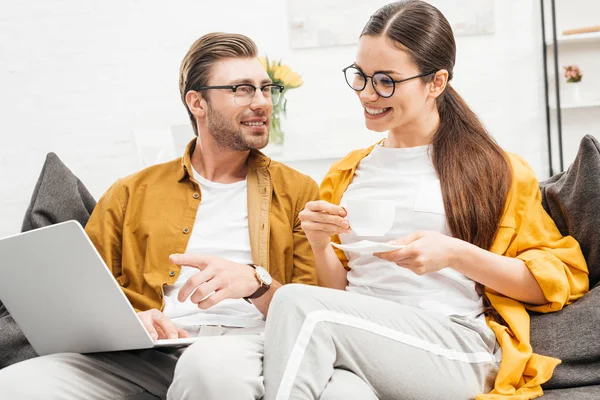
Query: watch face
{"type": "Point", "coordinates": [264, 276]}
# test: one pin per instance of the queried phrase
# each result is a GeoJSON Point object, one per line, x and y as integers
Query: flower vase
{"type": "Point", "coordinates": [573, 93]}
{"type": "Point", "coordinates": [276, 134]}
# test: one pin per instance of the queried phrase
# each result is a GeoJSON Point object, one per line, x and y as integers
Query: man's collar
{"type": "Point", "coordinates": [256, 160]}
{"type": "Point", "coordinates": [186, 160]}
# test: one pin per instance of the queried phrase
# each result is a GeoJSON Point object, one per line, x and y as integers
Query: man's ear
{"type": "Point", "coordinates": [438, 85]}
{"type": "Point", "coordinates": [196, 103]}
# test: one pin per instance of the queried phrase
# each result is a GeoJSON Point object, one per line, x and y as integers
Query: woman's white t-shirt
{"type": "Point", "coordinates": [407, 176]}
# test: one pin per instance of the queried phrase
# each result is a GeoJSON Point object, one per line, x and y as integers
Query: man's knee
{"type": "Point", "coordinates": [34, 378]}
{"type": "Point", "coordinates": [203, 363]}
{"type": "Point", "coordinates": [11, 378]}
{"type": "Point", "coordinates": [219, 367]}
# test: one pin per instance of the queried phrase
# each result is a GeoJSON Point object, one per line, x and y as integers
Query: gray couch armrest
{"type": "Point", "coordinates": [572, 335]}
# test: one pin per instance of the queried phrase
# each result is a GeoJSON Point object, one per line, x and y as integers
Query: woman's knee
{"type": "Point", "coordinates": [347, 385]}
{"type": "Point", "coordinates": [298, 297]}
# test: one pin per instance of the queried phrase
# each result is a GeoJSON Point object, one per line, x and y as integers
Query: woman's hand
{"type": "Point", "coordinates": [425, 252]}
{"type": "Point", "coordinates": [322, 220]}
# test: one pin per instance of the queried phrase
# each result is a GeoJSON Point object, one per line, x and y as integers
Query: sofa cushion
{"type": "Point", "coordinates": [572, 198]}
{"type": "Point", "coordinates": [571, 335]}
{"type": "Point", "coordinates": [58, 196]}
{"type": "Point", "coordinates": [577, 393]}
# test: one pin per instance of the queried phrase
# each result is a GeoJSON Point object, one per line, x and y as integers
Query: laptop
{"type": "Point", "coordinates": [63, 296]}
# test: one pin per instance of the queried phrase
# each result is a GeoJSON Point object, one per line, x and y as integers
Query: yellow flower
{"type": "Point", "coordinates": [295, 80]}
{"type": "Point", "coordinates": [281, 73]}
{"type": "Point", "coordinates": [287, 76]}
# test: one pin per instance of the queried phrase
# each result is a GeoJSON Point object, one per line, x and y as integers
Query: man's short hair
{"type": "Point", "coordinates": [196, 65]}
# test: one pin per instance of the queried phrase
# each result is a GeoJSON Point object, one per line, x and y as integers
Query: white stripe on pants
{"type": "Point", "coordinates": [400, 351]}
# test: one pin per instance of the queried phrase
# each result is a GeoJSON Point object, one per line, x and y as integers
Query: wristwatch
{"type": "Point", "coordinates": [264, 279]}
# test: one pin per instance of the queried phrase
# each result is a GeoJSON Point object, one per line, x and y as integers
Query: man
{"type": "Point", "coordinates": [199, 245]}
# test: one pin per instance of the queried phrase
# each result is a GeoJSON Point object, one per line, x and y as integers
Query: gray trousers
{"type": "Point", "coordinates": [397, 352]}
{"type": "Point", "coordinates": [226, 364]}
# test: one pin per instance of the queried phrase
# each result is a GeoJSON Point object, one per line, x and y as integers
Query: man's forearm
{"type": "Point", "coordinates": [264, 301]}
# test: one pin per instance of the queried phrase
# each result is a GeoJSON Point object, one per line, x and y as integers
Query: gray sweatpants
{"type": "Point", "coordinates": [398, 352]}
{"type": "Point", "coordinates": [226, 364]}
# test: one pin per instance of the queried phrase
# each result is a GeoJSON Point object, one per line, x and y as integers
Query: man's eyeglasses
{"type": "Point", "coordinates": [384, 85]}
{"type": "Point", "coordinates": [243, 94]}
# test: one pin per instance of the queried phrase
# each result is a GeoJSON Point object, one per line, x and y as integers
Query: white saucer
{"type": "Point", "coordinates": [368, 247]}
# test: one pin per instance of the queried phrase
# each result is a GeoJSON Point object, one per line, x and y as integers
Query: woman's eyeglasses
{"type": "Point", "coordinates": [383, 84]}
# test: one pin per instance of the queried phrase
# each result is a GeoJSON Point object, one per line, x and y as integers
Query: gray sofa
{"type": "Point", "coordinates": [58, 196]}
{"type": "Point", "coordinates": [572, 199]}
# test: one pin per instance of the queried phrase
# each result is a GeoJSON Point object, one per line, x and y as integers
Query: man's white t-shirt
{"type": "Point", "coordinates": [220, 229]}
{"type": "Point", "coordinates": [407, 176]}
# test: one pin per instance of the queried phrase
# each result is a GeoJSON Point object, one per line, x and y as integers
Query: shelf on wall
{"type": "Point", "coordinates": [587, 104]}
{"type": "Point", "coordinates": [577, 38]}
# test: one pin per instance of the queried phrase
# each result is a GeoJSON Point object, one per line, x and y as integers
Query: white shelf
{"type": "Point", "coordinates": [588, 104]}
{"type": "Point", "coordinates": [577, 38]}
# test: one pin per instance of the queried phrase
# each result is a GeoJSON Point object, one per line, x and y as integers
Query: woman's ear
{"type": "Point", "coordinates": [196, 103]}
{"type": "Point", "coordinates": [438, 85]}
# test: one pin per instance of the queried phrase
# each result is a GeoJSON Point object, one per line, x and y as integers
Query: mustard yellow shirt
{"type": "Point", "coordinates": [526, 232]}
{"type": "Point", "coordinates": [145, 217]}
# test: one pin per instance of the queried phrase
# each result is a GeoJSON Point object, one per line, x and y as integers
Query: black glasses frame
{"type": "Point", "coordinates": [380, 73]}
{"type": "Point", "coordinates": [234, 88]}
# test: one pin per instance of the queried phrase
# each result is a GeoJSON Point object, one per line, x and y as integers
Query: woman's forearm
{"type": "Point", "coordinates": [330, 271]}
{"type": "Point", "coordinates": [506, 275]}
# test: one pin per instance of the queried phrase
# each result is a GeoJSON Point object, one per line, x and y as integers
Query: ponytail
{"type": "Point", "coordinates": [474, 174]}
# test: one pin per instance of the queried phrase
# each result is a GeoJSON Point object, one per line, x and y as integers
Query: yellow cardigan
{"type": "Point", "coordinates": [526, 232]}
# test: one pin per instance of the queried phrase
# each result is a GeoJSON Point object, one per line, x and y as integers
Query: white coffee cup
{"type": "Point", "coordinates": [370, 217]}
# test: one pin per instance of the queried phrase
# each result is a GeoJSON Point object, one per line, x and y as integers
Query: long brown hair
{"type": "Point", "coordinates": [196, 65]}
{"type": "Point", "coordinates": [473, 170]}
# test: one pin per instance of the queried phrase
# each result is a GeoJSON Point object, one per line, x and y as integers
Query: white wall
{"type": "Point", "coordinates": [77, 76]}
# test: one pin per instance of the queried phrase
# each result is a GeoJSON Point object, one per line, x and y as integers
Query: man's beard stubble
{"type": "Point", "coordinates": [228, 134]}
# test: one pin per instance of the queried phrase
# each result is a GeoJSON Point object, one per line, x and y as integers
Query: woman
{"type": "Point", "coordinates": [411, 323]}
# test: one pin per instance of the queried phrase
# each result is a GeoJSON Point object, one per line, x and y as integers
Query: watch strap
{"type": "Point", "coordinates": [260, 291]}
